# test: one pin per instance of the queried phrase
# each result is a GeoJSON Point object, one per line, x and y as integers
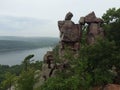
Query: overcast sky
{"type": "Point", "coordinates": [39, 17]}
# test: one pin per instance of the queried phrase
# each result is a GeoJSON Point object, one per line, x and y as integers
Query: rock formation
{"type": "Point", "coordinates": [107, 87]}
{"type": "Point", "coordinates": [70, 37]}
{"type": "Point", "coordinates": [48, 65]}
{"type": "Point", "coordinates": [70, 34]}
{"type": "Point", "coordinates": [94, 27]}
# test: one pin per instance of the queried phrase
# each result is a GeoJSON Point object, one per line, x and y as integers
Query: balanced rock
{"type": "Point", "coordinates": [68, 16]}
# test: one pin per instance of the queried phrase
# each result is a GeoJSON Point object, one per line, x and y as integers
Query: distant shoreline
{"type": "Point", "coordinates": [4, 51]}
{"type": "Point", "coordinates": [16, 57]}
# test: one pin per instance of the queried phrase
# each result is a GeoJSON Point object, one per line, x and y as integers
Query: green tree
{"type": "Point", "coordinates": [112, 27]}
{"type": "Point", "coordinates": [112, 24]}
{"type": "Point", "coordinates": [27, 61]}
{"type": "Point", "coordinates": [25, 80]}
{"type": "Point", "coordinates": [9, 81]}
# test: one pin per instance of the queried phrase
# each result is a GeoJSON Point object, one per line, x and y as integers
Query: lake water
{"type": "Point", "coordinates": [16, 57]}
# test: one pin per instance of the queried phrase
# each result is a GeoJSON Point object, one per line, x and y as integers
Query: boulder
{"type": "Point", "coordinates": [68, 16]}
{"type": "Point", "coordinates": [48, 58]}
{"type": "Point", "coordinates": [107, 87]}
{"type": "Point", "coordinates": [91, 18]}
{"type": "Point", "coordinates": [112, 87]}
{"type": "Point", "coordinates": [82, 21]}
{"type": "Point", "coordinates": [93, 29]}
{"type": "Point", "coordinates": [70, 32]}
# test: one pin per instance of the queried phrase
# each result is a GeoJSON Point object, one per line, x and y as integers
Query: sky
{"type": "Point", "coordinates": [39, 17]}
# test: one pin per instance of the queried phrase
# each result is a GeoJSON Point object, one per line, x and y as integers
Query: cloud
{"type": "Point", "coordinates": [24, 26]}
{"type": "Point", "coordinates": [19, 23]}
{"type": "Point", "coordinates": [48, 12]}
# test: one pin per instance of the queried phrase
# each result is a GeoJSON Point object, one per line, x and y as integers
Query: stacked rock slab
{"type": "Point", "coordinates": [94, 27]}
{"type": "Point", "coordinates": [70, 35]}
{"type": "Point", "coordinates": [48, 69]}
{"type": "Point", "coordinates": [48, 65]}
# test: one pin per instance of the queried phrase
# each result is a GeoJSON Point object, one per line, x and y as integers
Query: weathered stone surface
{"type": "Point", "coordinates": [69, 32]}
{"type": "Point", "coordinates": [47, 72]}
{"type": "Point", "coordinates": [91, 18]}
{"type": "Point", "coordinates": [101, 32]}
{"type": "Point", "coordinates": [70, 35]}
{"type": "Point", "coordinates": [94, 28]}
{"type": "Point", "coordinates": [68, 16]}
{"type": "Point", "coordinates": [112, 87]}
{"type": "Point", "coordinates": [108, 87]}
{"type": "Point", "coordinates": [82, 20]}
{"type": "Point", "coordinates": [48, 58]}
{"type": "Point", "coordinates": [60, 24]}
{"type": "Point", "coordinates": [76, 46]}
{"type": "Point", "coordinates": [94, 31]}
{"type": "Point", "coordinates": [90, 39]}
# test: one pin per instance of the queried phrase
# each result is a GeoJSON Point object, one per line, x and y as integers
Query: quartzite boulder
{"type": "Point", "coordinates": [68, 16]}
{"type": "Point", "coordinates": [70, 35]}
{"type": "Point", "coordinates": [94, 29]}
{"type": "Point", "coordinates": [82, 21]}
{"type": "Point", "coordinates": [69, 32]}
{"type": "Point", "coordinates": [91, 18]}
{"type": "Point", "coordinates": [48, 58]}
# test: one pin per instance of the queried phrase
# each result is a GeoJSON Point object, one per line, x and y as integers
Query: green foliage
{"type": "Point", "coordinates": [17, 75]}
{"type": "Point", "coordinates": [100, 57]}
{"type": "Point", "coordinates": [25, 80]}
{"type": "Point", "coordinates": [27, 61]}
{"type": "Point", "coordinates": [14, 70]}
{"type": "Point", "coordinates": [8, 82]}
{"type": "Point", "coordinates": [3, 70]}
{"type": "Point", "coordinates": [112, 24]}
{"type": "Point", "coordinates": [59, 83]}
{"type": "Point", "coordinates": [91, 68]}
{"type": "Point", "coordinates": [37, 65]}
{"type": "Point", "coordinates": [56, 54]}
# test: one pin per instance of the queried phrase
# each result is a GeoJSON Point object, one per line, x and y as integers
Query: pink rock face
{"type": "Point", "coordinates": [94, 28]}
{"type": "Point", "coordinates": [112, 87]}
{"type": "Point", "coordinates": [69, 32]}
{"type": "Point", "coordinates": [108, 87]}
{"type": "Point", "coordinates": [68, 16]}
{"type": "Point", "coordinates": [91, 18]}
{"type": "Point", "coordinates": [48, 58]}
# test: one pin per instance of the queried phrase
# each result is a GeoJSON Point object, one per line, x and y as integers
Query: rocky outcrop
{"type": "Point", "coordinates": [108, 87]}
{"type": "Point", "coordinates": [48, 69]}
{"type": "Point", "coordinates": [94, 29]}
{"type": "Point", "coordinates": [70, 38]}
{"type": "Point", "coordinates": [48, 65]}
{"type": "Point", "coordinates": [70, 35]}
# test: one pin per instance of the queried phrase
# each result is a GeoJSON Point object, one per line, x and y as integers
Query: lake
{"type": "Point", "coordinates": [16, 57]}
